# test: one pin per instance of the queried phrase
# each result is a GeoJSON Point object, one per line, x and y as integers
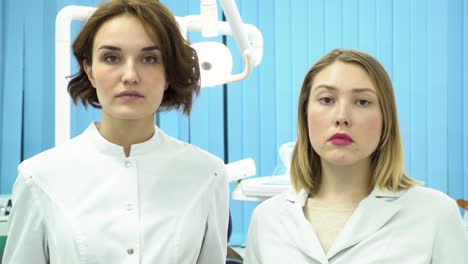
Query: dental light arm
{"type": "Point", "coordinates": [251, 43]}
{"type": "Point", "coordinates": [248, 38]}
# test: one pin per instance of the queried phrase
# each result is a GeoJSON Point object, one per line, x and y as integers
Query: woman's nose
{"type": "Point", "coordinates": [343, 116]}
{"type": "Point", "coordinates": [342, 122]}
{"type": "Point", "coordinates": [130, 75]}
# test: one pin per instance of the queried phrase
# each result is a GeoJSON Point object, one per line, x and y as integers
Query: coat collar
{"type": "Point", "coordinates": [302, 195]}
{"type": "Point", "coordinates": [111, 149]}
{"type": "Point", "coordinates": [363, 222]}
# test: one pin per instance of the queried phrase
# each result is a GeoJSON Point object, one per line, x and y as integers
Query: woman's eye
{"type": "Point", "coordinates": [111, 59]}
{"type": "Point", "coordinates": [326, 100]}
{"type": "Point", "coordinates": [150, 59]}
{"type": "Point", "coordinates": [363, 102]}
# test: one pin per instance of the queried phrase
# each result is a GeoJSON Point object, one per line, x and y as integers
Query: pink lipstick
{"type": "Point", "coordinates": [341, 139]}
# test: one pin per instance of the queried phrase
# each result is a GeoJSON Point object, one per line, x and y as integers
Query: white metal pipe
{"type": "Point", "coordinates": [62, 67]}
{"type": "Point", "coordinates": [209, 14]}
{"type": "Point", "coordinates": [234, 19]}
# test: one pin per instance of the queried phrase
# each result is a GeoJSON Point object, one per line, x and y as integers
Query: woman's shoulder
{"type": "Point", "coordinates": [190, 153]}
{"type": "Point", "coordinates": [428, 195]}
{"type": "Point", "coordinates": [420, 198]}
{"type": "Point", "coordinates": [277, 204]}
{"type": "Point", "coordinates": [54, 156]}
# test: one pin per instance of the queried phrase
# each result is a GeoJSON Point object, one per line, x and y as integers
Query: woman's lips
{"type": "Point", "coordinates": [128, 95]}
{"type": "Point", "coordinates": [341, 139]}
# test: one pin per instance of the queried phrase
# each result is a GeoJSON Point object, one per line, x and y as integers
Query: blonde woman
{"type": "Point", "coordinates": [352, 202]}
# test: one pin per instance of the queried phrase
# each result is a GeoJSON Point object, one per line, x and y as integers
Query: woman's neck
{"type": "Point", "coordinates": [125, 133]}
{"type": "Point", "coordinates": [344, 184]}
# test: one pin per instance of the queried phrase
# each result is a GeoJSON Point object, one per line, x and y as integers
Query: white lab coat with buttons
{"type": "Point", "coordinates": [416, 226]}
{"type": "Point", "coordinates": [85, 202]}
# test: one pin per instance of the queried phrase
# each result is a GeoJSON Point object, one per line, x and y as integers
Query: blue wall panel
{"type": "Point", "coordinates": [418, 153]}
{"type": "Point", "coordinates": [384, 33]}
{"type": "Point", "coordinates": [12, 94]}
{"type": "Point", "coordinates": [316, 35]}
{"type": "Point", "coordinates": [35, 102]}
{"type": "Point", "coordinates": [465, 100]}
{"type": "Point", "coordinates": [299, 66]}
{"type": "Point", "coordinates": [455, 103]}
{"type": "Point", "coordinates": [266, 86]}
{"type": "Point", "coordinates": [350, 20]}
{"type": "Point", "coordinates": [2, 61]}
{"type": "Point", "coordinates": [401, 71]}
{"type": "Point", "coordinates": [367, 25]}
{"type": "Point", "coordinates": [283, 64]}
{"type": "Point", "coordinates": [437, 91]}
{"type": "Point", "coordinates": [422, 44]}
{"type": "Point", "coordinates": [48, 71]}
{"type": "Point", "coordinates": [333, 24]}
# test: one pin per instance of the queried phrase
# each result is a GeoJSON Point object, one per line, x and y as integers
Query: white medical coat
{"type": "Point", "coordinates": [416, 226]}
{"type": "Point", "coordinates": [85, 202]}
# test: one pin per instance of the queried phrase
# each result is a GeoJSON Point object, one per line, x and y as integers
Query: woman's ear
{"type": "Point", "coordinates": [89, 72]}
{"type": "Point", "coordinates": [166, 86]}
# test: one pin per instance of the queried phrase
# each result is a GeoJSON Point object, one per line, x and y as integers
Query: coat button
{"type": "Point", "coordinates": [129, 206]}
{"type": "Point", "coordinates": [127, 164]}
{"type": "Point", "coordinates": [130, 251]}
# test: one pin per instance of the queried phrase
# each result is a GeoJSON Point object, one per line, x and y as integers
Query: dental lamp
{"type": "Point", "coordinates": [214, 57]}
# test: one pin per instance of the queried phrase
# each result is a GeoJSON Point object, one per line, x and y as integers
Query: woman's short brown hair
{"type": "Point", "coordinates": [179, 59]}
{"type": "Point", "coordinates": [387, 164]}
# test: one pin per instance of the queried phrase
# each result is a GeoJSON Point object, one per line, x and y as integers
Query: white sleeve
{"type": "Point", "coordinates": [252, 249]}
{"type": "Point", "coordinates": [451, 241]}
{"type": "Point", "coordinates": [26, 241]}
{"type": "Point", "coordinates": [214, 247]}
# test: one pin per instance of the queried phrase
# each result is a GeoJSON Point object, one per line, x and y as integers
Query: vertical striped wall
{"type": "Point", "coordinates": [423, 45]}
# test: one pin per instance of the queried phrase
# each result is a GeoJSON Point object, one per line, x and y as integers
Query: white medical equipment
{"type": "Point", "coordinates": [241, 169]}
{"type": "Point", "coordinates": [261, 188]}
{"type": "Point", "coordinates": [215, 59]}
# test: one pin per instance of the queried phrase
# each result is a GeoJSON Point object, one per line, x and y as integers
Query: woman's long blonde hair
{"type": "Point", "coordinates": [387, 161]}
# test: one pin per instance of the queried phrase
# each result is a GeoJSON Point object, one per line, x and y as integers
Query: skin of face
{"type": "Point", "coordinates": [127, 71]}
{"type": "Point", "coordinates": [343, 99]}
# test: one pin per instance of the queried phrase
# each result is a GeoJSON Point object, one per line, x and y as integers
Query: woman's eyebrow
{"type": "Point", "coordinates": [325, 86]}
{"type": "Point", "coordinates": [150, 48]}
{"type": "Point", "coordinates": [363, 90]}
{"type": "Point", "coordinates": [354, 90]}
{"type": "Point", "coordinates": [109, 47]}
{"type": "Point", "coordinates": [114, 48]}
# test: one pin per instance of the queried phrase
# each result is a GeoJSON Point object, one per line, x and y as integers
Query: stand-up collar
{"type": "Point", "coordinates": [109, 148]}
